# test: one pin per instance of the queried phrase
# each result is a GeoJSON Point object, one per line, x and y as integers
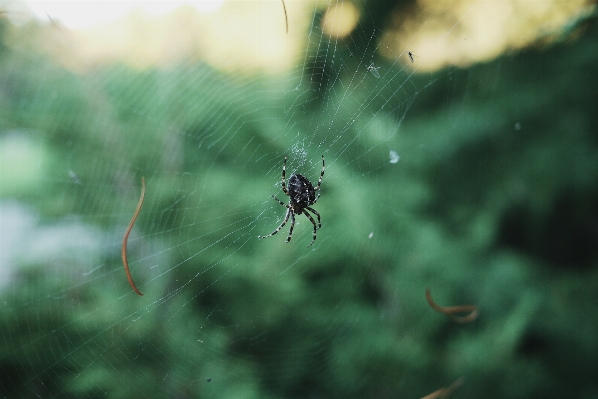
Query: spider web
{"type": "Point", "coordinates": [423, 174]}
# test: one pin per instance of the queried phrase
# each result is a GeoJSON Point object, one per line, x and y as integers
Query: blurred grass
{"type": "Point", "coordinates": [495, 203]}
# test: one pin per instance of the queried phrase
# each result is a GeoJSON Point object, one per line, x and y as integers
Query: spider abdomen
{"type": "Point", "coordinates": [301, 191]}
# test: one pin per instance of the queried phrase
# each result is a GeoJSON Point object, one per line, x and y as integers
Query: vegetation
{"type": "Point", "coordinates": [493, 202]}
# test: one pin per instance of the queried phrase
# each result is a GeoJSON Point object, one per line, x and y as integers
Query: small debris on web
{"type": "Point", "coordinates": [374, 70]}
{"type": "Point", "coordinates": [300, 152]}
{"type": "Point", "coordinates": [394, 157]}
{"type": "Point", "coordinates": [74, 177]}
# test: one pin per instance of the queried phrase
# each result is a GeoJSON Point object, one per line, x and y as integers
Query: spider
{"type": "Point", "coordinates": [302, 194]}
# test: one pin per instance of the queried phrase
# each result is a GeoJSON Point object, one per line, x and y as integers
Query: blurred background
{"type": "Point", "coordinates": [466, 163]}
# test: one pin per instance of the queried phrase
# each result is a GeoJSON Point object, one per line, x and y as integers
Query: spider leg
{"type": "Point", "coordinates": [317, 214]}
{"type": "Point", "coordinates": [312, 222]}
{"type": "Point", "coordinates": [317, 196]}
{"type": "Point", "coordinates": [281, 203]}
{"type": "Point", "coordinates": [284, 185]}
{"type": "Point", "coordinates": [292, 224]}
{"type": "Point", "coordinates": [286, 218]}
{"type": "Point", "coordinates": [321, 176]}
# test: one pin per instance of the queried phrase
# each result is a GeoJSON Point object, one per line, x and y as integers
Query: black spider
{"type": "Point", "coordinates": [302, 194]}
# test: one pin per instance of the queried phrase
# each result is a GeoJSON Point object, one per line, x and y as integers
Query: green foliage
{"type": "Point", "coordinates": [474, 210]}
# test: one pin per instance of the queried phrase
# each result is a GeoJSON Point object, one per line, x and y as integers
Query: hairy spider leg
{"type": "Point", "coordinates": [284, 177]}
{"type": "Point", "coordinates": [281, 203]}
{"type": "Point", "coordinates": [317, 188]}
{"type": "Point", "coordinates": [292, 224]}
{"type": "Point", "coordinates": [315, 213]}
{"type": "Point", "coordinates": [321, 175]}
{"type": "Point", "coordinates": [286, 218]}
{"type": "Point", "coordinates": [312, 222]}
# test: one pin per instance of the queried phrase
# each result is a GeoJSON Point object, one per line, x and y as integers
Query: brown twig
{"type": "Point", "coordinates": [53, 23]}
{"type": "Point", "coordinates": [451, 310]}
{"type": "Point", "coordinates": [444, 393]}
{"type": "Point", "coordinates": [286, 18]}
{"type": "Point", "coordinates": [124, 246]}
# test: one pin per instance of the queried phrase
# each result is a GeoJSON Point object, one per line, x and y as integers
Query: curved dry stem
{"type": "Point", "coordinates": [451, 310]}
{"type": "Point", "coordinates": [286, 18]}
{"type": "Point", "coordinates": [123, 251]}
{"type": "Point", "coordinates": [444, 393]}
